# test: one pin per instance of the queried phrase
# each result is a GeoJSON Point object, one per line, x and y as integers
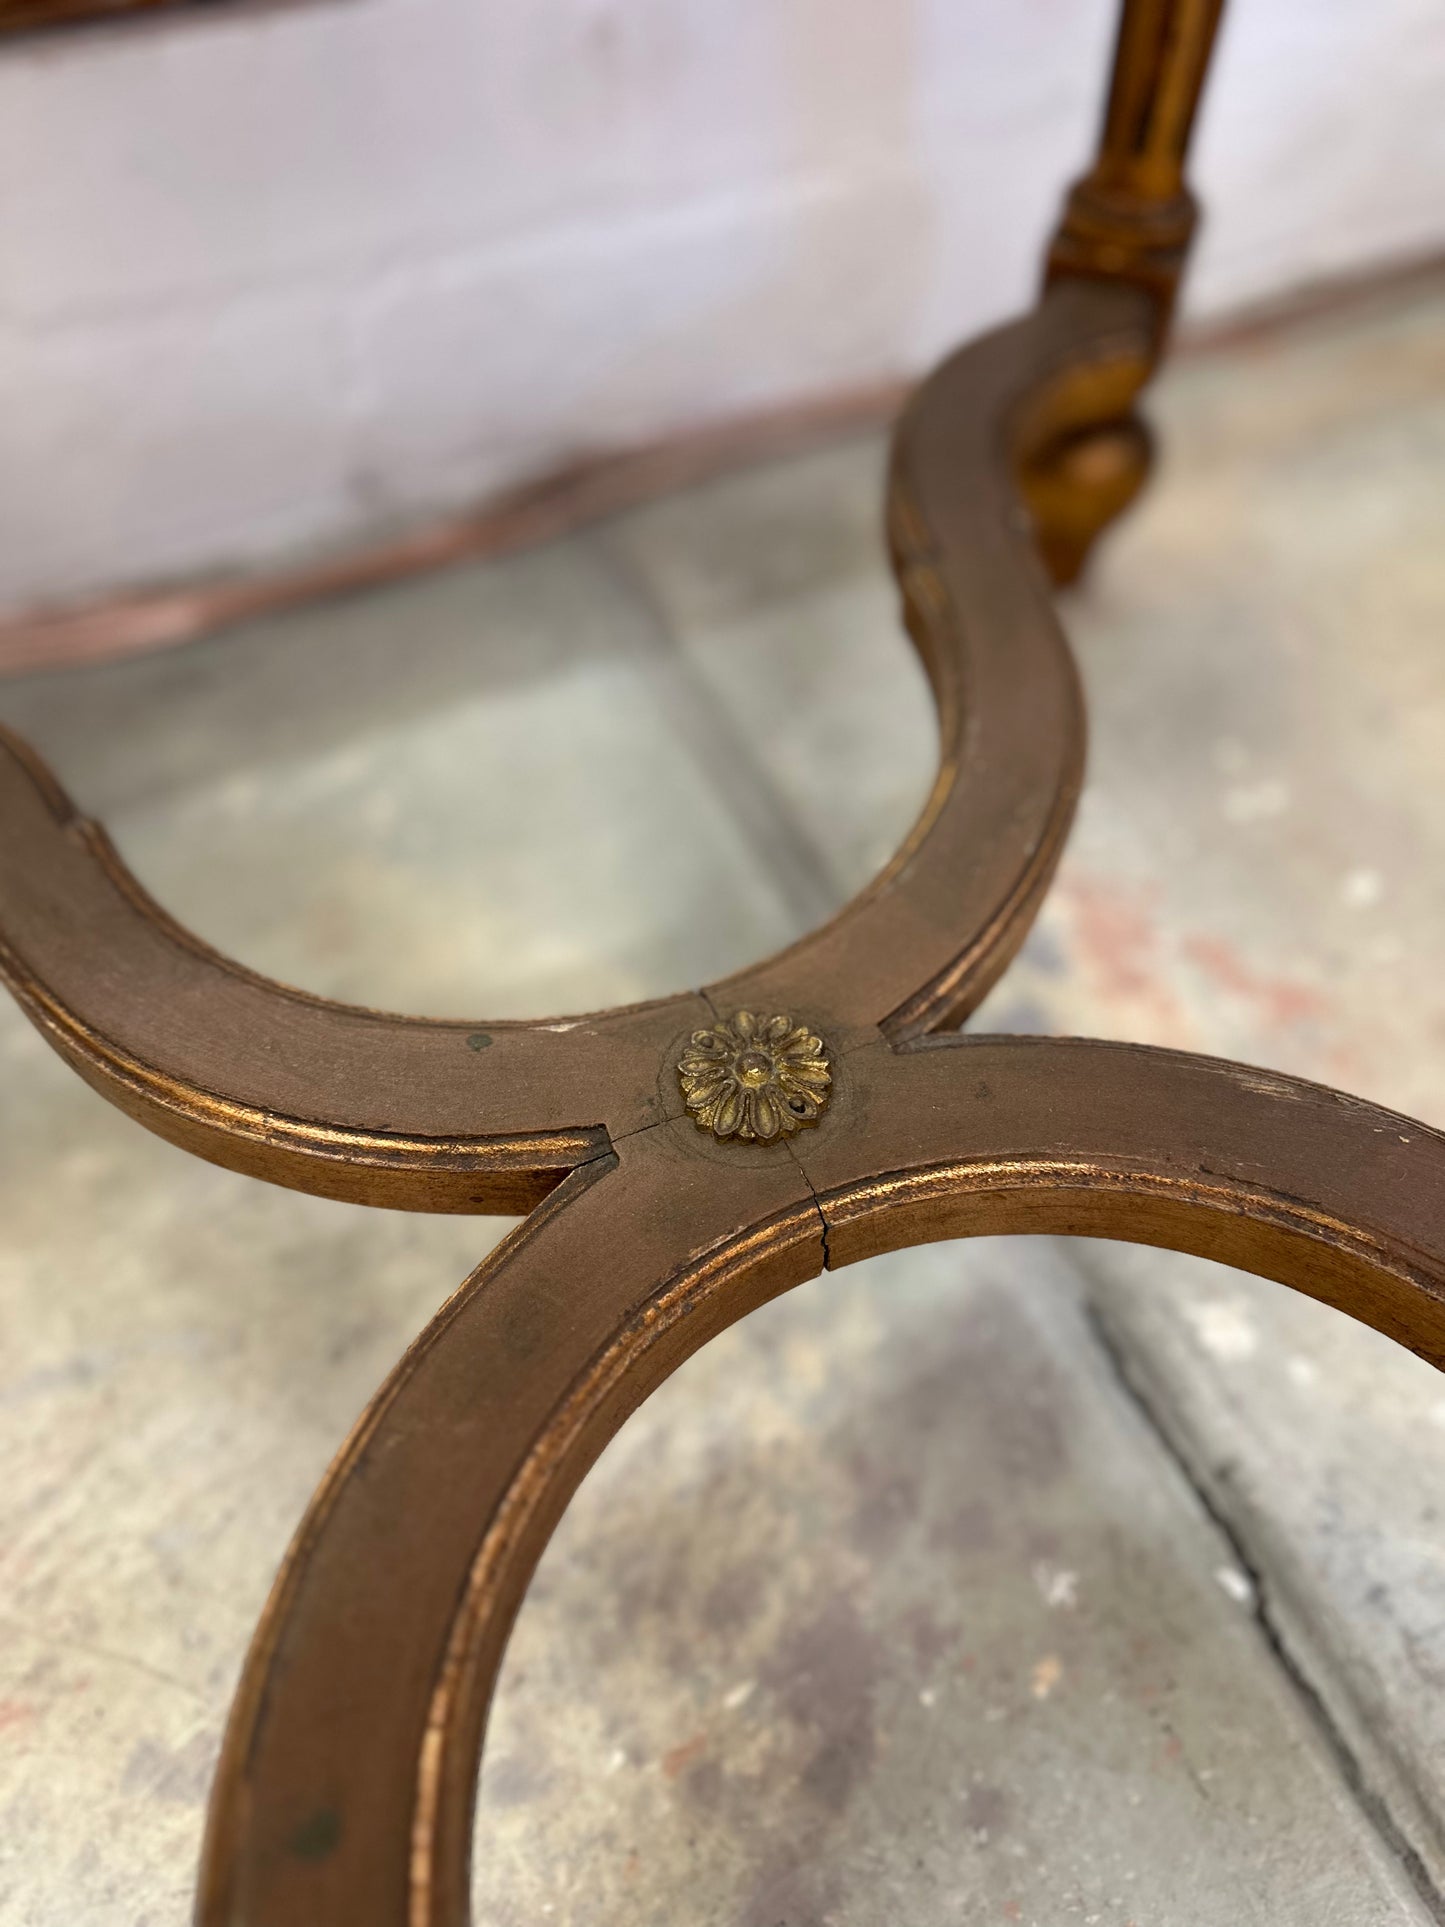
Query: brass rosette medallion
{"type": "Point", "coordinates": [755, 1078]}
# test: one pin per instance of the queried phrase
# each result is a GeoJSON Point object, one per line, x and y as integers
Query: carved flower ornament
{"type": "Point", "coordinates": [754, 1077]}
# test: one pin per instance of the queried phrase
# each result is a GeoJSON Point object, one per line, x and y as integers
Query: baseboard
{"type": "Point", "coordinates": [137, 622]}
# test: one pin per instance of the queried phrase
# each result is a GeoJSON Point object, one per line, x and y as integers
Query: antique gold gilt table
{"type": "Point", "coordinates": [685, 1160]}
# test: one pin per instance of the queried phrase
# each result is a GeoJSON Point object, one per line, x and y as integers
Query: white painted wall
{"type": "Point", "coordinates": [276, 278]}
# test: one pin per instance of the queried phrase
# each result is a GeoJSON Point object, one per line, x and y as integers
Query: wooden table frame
{"type": "Point", "coordinates": [346, 1787]}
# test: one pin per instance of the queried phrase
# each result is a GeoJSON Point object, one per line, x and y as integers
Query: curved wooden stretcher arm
{"type": "Point", "coordinates": [480, 1116]}
{"type": "Point", "coordinates": [347, 1784]}
{"type": "Point", "coordinates": [345, 1793]}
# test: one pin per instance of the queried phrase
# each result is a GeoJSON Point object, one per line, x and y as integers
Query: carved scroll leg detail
{"type": "Point", "coordinates": [1080, 482]}
{"type": "Point", "coordinates": [1129, 221]}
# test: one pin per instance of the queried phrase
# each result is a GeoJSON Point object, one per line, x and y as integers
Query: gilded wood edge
{"type": "Point", "coordinates": [1185, 1137]}
{"type": "Point", "coordinates": [447, 1171]}
{"type": "Point", "coordinates": [782, 1249]}
{"type": "Point", "coordinates": [759, 1262]}
{"type": "Point", "coordinates": [1383, 1272]}
{"type": "Point", "coordinates": [229, 1801]}
{"type": "Point", "coordinates": [282, 1144]}
{"type": "Point", "coordinates": [1026, 1194]}
{"type": "Point", "coordinates": [97, 845]}
{"type": "Point", "coordinates": [1078, 358]}
{"type": "Point", "coordinates": [450, 1174]}
{"type": "Point", "coordinates": [1112, 344]}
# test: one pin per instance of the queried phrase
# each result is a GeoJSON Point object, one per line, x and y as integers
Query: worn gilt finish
{"type": "Point", "coordinates": [659, 1149]}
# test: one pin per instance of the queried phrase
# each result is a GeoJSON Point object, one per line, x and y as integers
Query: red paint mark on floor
{"type": "Point", "coordinates": [1114, 935]}
{"type": "Point", "coordinates": [15, 1713]}
{"type": "Point", "coordinates": [1281, 1000]}
{"type": "Point", "coordinates": [1117, 938]}
{"type": "Point", "coordinates": [683, 1756]}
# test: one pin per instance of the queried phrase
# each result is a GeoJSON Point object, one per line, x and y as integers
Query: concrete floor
{"type": "Point", "coordinates": [1015, 1581]}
